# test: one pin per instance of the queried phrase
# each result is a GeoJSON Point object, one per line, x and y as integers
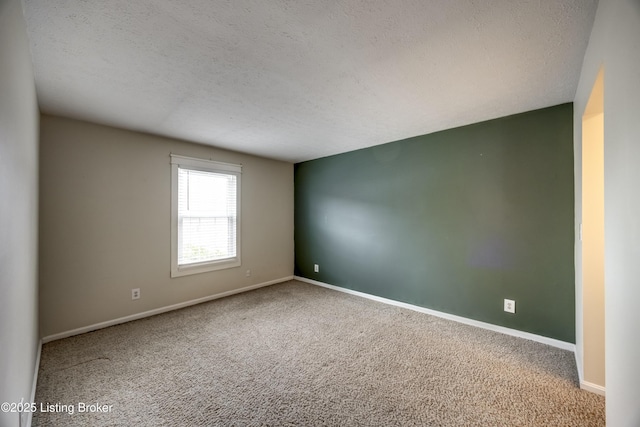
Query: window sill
{"type": "Point", "coordinates": [186, 270]}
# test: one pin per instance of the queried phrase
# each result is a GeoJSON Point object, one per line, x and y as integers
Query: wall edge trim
{"type": "Point", "coordinates": [579, 368]}
{"type": "Point", "coordinates": [34, 383]}
{"type": "Point", "coordinates": [507, 331]}
{"type": "Point", "coordinates": [586, 385]}
{"type": "Point", "coordinates": [149, 313]}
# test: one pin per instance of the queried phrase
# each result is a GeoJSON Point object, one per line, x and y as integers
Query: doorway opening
{"type": "Point", "coordinates": [592, 232]}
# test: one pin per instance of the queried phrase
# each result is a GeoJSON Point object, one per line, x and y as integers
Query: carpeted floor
{"type": "Point", "coordinates": [297, 354]}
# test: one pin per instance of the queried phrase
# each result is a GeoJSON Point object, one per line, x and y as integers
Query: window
{"type": "Point", "coordinates": [205, 215]}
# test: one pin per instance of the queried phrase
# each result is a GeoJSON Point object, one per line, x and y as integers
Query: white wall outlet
{"type": "Point", "coordinates": [316, 268]}
{"type": "Point", "coordinates": [135, 293]}
{"type": "Point", "coordinates": [248, 273]}
{"type": "Point", "coordinates": [509, 306]}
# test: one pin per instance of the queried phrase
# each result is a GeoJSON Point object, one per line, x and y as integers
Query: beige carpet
{"type": "Point", "coordinates": [296, 354]}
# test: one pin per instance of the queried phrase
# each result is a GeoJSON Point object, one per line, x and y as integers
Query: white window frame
{"type": "Point", "coordinates": [182, 162]}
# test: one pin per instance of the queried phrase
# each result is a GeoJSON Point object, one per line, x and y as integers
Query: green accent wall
{"type": "Point", "coordinates": [453, 221]}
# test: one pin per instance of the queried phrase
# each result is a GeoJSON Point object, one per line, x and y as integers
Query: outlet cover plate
{"type": "Point", "coordinates": [509, 306]}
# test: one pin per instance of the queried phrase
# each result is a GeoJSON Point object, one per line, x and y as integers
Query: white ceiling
{"type": "Point", "coordinates": [301, 79]}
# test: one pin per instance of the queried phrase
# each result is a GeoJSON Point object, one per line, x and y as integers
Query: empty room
{"type": "Point", "coordinates": [349, 212]}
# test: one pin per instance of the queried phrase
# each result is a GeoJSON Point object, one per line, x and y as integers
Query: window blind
{"type": "Point", "coordinates": [207, 216]}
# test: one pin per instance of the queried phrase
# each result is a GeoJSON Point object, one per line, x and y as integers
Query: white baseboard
{"type": "Point", "coordinates": [34, 382]}
{"type": "Point", "coordinates": [507, 331]}
{"type": "Point", "coordinates": [160, 310]}
{"type": "Point", "coordinates": [593, 388]}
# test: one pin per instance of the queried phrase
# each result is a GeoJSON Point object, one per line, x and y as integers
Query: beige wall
{"type": "Point", "coordinates": [104, 224]}
{"type": "Point", "coordinates": [18, 211]}
{"type": "Point", "coordinates": [615, 46]}
{"type": "Point", "coordinates": [593, 248]}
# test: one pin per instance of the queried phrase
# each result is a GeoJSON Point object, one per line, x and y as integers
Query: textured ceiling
{"type": "Point", "coordinates": [298, 80]}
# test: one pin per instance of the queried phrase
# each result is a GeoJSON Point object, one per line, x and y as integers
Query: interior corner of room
{"type": "Point", "coordinates": [538, 208]}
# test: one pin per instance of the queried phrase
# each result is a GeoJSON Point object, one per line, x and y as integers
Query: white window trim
{"type": "Point", "coordinates": [206, 166]}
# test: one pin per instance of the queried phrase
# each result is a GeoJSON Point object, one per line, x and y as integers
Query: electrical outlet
{"type": "Point", "coordinates": [509, 306]}
{"type": "Point", "coordinates": [135, 293]}
{"type": "Point", "coordinates": [316, 268]}
{"type": "Point", "coordinates": [248, 273]}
